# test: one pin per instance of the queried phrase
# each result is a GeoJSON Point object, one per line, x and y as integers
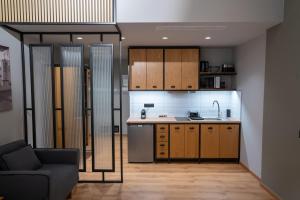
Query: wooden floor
{"type": "Point", "coordinates": [177, 181]}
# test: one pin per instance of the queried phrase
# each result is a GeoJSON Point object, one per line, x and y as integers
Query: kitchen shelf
{"type": "Point", "coordinates": [218, 73]}
{"type": "Point", "coordinates": [216, 89]}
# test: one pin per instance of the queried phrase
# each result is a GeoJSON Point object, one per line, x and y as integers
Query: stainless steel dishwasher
{"type": "Point", "coordinates": [140, 143]}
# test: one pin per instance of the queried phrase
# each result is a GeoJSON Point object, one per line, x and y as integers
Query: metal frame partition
{"type": "Point", "coordinates": [84, 107]}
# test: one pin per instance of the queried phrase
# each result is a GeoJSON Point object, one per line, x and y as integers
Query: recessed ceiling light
{"type": "Point", "coordinates": [207, 38]}
{"type": "Point", "coordinates": [164, 38]}
{"type": "Point", "coordinates": [79, 38]}
{"type": "Point", "coordinates": [123, 38]}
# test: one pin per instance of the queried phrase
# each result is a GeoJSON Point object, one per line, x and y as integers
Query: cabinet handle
{"type": "Point", "coordinates": [137, 86]}
{"type": "Point", "coordinates": [177, 128]}
{"type": "Point", "coordinates": [162, 145]}
{"type": "Point", "coordinates": [172, 86]}
{"type": "Point", "coordinates": [162, 153]}
{"type": "Point", "coordinates": [162, 128]}
{"type": "Point", "coordinates": [154, 86]}
{"type": "Point", "coordinates": [162, 136]}
{"type": "Point", "coordinates": [190, 86]}
{"type": "Point", "coordinates": [192, 128]}
{"type": "Point", "coordinates": [210, 128]}
{"type": "Point", "coordinates": [229, 128]}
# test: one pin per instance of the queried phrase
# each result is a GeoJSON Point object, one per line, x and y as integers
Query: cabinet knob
{"type": "Point", "coordinates": [137, 86]}
{"type": "Point", "coordinates": [172, 86]}
{"type": "Point", "coordinates": [154, 86]}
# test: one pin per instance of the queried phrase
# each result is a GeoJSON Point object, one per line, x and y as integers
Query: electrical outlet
{"type": "Point", "coordinates": [149, 105]}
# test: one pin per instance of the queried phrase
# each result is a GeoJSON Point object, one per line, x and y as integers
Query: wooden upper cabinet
{"type": "Point", "coordinates": [137, 69]}
{"type": "Point", "coordinates": [190, 69]}
{"type": "Point", "coordinates": [229, 141]}
{"type": "Point", "coordinates": [155, 69]}
{"type": "Point", "coordinates": [191, 139]}
{"type": "Point", "coordinates": [173, 69]}
{"type": "Point", "coordinates": [177, 141]}
{"type": "Point", "coordinates": [210, 141]}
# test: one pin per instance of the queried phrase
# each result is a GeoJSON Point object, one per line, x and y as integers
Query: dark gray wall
{"type": "Point", "coordinates": [281, 142]}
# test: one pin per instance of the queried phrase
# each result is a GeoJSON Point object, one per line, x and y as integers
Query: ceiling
{"type": "Point", "coordinates": [150, 34]}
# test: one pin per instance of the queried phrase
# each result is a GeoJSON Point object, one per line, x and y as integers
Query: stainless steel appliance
{"type": "Point", "coordinates": [140, 143]}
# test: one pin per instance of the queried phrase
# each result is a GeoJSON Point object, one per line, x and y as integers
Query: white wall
{"type": "Point", "coordinates": [177, 104]}
{"type": "Point", "coordinates": [281, 140]}
{"type": "Point", "coordinates": [250, 63]}
{"type": "Point", "coordinates": [199, 11]}
{"type": "Point", "coordinates": [11, 122]}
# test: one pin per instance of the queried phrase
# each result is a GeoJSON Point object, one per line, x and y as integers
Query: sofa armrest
{"type": "Point", "coordinates": [58, 156]}
{"type": "Point", "coordinates": [25, 184]}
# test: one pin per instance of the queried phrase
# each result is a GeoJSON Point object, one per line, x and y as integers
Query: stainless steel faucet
{"type": "Point", "coordinates": [219, 112]}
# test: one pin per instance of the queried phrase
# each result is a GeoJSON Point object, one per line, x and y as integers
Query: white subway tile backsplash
{"type": "Point", "coordinates": [180, 103]}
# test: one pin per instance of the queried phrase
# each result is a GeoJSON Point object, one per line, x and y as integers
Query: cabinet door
{"type": "Point", "coordinates": [177, 141]}
{"type": "Point", "coordinates": [137, 69]}
{"type": "Point", "coordinates": [190, 69]}
{"type": "Point", "coordinates": [173, 69]}
{"type": "Point", "coordinates": [209, 141]}
{"type": "Point", "coordinates": [191, 139]}
{"type": "Point", "coordinates": [155, 69]}
{"type": "Point", "coordinates": [229, 141]}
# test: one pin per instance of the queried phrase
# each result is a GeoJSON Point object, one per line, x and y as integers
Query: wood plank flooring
{"type": "Point", "coordinates": [178, 181]}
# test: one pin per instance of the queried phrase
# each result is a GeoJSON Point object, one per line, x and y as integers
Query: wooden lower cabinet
{"type": "Point", "coordinates": [162, 141]}
{"type": "Point", "coordinates": [191, 139]}
{"type": "Point", "coordinates": [210, 135]}
{"type": "Point", "coordinates": [220, 141]}
{"type": "Point", "coordinates": [177, 141]}
{"type": "Point", "coordinates": [229, 141]}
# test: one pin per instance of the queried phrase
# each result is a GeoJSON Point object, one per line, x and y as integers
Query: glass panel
{"type": "Point", "coordinates": [42, 75]}
{"type": "Point", "coordinates": [71, 58]}
{"type": "Point", "coordinates": [102, 67]}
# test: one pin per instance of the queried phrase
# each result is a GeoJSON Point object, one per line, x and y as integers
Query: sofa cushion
{"type": "Point", "coordinates": [63, 178]}
{"type": "Point", "coordinates": [22, 159]}
{"type": "Point", "coordinates": [7, 148]}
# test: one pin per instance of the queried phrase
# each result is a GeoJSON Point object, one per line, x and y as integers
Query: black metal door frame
{"type": "Point", "coordinates": [28, 109]}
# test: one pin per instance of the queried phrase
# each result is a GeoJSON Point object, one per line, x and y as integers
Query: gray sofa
{"type": "Point", "coordinates": [54, 179]}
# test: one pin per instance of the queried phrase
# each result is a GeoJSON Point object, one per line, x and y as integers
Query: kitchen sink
{"type": "Point", "coordinates": [182, 119]}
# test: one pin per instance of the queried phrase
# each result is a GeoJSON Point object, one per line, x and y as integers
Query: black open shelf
{"type": "Point", "coordinates": [218, 73]}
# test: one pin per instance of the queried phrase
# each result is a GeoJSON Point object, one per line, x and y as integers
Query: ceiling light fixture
{"type": "Point", "coordinates": [79, 38]}
{"type": "Point", "coordinates": [207, 38]}
{"type": "Point", "coordinates": [123, 38]}
{"type": "Point", "coordinates": [164, 38]}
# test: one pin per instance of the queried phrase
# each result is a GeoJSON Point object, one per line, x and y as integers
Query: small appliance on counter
{"type": "Point", "coordinates": [204, 65]}
{"type": "Point", "coordinates": [143, 114]}
{"type": "Point", "coordinates": [195, 116]}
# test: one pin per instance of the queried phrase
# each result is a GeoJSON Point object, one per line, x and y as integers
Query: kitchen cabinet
{"type": "Point", "coordinates": [229, 141]}
{"type": "Point", "coordinates": [155, 69]}
{"type": "Point", "coordinates": [220, 141]}
{"type": "Point", "coordinates": [162, 138]}
{"type": "Point", "coordinates": [191, 139]}
{"type": "Point", "coordinates": [137, 69]}
{"type": "Point", "coordinates": [210, 137]}
{"type": "Point", "coordinates": [177, 141]}
{"type": "Point", "coordinates": [190, 69]}
{"type": "Point", "coordinates": [173, 69]}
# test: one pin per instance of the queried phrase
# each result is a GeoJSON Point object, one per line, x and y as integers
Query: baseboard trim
{"type": "Point", "coordinates": [266, 188]}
